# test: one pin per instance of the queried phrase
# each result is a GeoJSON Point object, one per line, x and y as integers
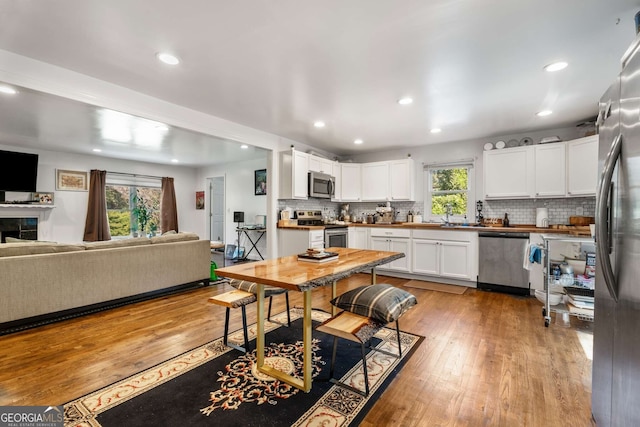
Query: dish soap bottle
{"type": "Point", "coordinates": [505, 221]}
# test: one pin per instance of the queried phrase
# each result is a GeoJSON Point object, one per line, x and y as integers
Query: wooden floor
{"type": "Point", "coordinates": [487, 359]}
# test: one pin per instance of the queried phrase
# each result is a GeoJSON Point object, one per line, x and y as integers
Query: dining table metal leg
{"type": "Point", "coordinates": [303, 384]}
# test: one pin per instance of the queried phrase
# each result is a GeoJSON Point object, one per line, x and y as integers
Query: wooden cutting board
{"type": "Point", "coordinates": [581, 220]}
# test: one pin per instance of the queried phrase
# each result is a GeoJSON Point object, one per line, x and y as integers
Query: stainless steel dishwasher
{"type": "Point", "coordinates": [501, 263]}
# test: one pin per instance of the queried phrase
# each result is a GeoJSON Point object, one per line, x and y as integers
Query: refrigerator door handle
{"type": "Point", "coordinates": [603, 222]}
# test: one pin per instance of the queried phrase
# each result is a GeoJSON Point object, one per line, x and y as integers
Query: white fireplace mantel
{"type": "Point", "coordinates": [41, 211]}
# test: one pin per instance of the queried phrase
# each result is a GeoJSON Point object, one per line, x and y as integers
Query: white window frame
{"type": "Point", "coordinates": [131, 180]}
{"type": "Point", "coordinates": [428, 193]}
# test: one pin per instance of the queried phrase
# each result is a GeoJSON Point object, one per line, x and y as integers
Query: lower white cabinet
{"type": "Point", "coordinates": [450, 254]}
{"type": "Point", "coordinates": [394, 240]}
{"type": "Point", "coordinates": [358, 237]}
{"type": "Point", "coordinates": [295, 241]}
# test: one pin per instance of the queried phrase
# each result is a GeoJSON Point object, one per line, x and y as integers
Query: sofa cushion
{"type": "Point", "coordinates": [18, 249]}
{"type": "Point", "coordinates": [382, 302]}
{"type": "Point", "coordinates": [120, 243]}
{"type": "Point", "coordinates": [178, 237]}
{"type": "Point", "coordinates": [15, 240]}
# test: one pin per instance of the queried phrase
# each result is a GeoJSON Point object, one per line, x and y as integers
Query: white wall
{"type": "Point", "coordinates": [67, 219]}
{"type": "Point", "coordinates": [239, 196]}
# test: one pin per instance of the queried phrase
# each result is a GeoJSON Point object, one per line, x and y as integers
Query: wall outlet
{"type": "Point", "coordinates": [579, 211]}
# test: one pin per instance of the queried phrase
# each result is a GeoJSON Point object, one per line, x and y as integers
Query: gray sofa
{"type": "Point", "coordinates": [42, 280]}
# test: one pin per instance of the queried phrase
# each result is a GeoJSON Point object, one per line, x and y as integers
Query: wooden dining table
{"type": "Point", "coordinates": [303, 276]}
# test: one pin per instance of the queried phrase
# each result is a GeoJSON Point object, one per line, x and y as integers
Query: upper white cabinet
{"type": "Point", "coordinates": [546, 170]}
{"type": "Point", "coordinates": [509, 173]}
{"type": "Point", "coordinates": [350, 182]}
{"type": "Point", "coordinates": [294, 170]}
{"type": "Point", "coordinates": [375, 181]}
{"type": "Point", "coordinates": [402, 179]}
{"type": "Point", "coordinates": [388, 180]}
{"type": "Point", "coordinates": [551, 170]}
{"type": "Point", "coordinates": [337, 174]}
{"type": "Point", "coordinates": [582, 166]}
{"type": "Point", "coordinates": [320, 164]}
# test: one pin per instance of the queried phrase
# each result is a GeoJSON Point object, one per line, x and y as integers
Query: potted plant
{"type": "Point", "coordinates": [142, 213]}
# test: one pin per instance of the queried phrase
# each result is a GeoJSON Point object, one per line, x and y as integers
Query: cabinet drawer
{"type": "Point", "coordinates": [390, 232]}
{"type": "Point", "coordinates": [450, 235]}
{"type": "Point", "coordinates": [316, 236]}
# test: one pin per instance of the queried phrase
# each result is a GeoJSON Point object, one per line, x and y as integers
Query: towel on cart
{"type": "Point", "coordinates": [532, 254]}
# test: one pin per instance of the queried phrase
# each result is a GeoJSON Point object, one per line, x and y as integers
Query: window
{"type": "Point", "coordinates": [448, 187]}
{"type": "Point", "coordinates": [133, 207]}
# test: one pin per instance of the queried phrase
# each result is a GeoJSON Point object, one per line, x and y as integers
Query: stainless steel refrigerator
{"type": "Point", "coordinates": [616, 337]}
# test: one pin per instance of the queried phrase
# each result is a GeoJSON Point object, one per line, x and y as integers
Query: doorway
{"type": "Point", "coordinates": [216, 208]}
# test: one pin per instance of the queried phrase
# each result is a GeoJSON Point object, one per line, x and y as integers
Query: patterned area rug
{"type": "Point", "coordinates": [217, 385]}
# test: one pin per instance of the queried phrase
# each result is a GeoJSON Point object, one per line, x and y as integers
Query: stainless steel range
{"type": "Point", "coordinates": [335, 235]}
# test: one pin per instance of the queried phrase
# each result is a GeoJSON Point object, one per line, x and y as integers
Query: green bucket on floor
{"type": "Point", "coordinates": [214, 276]}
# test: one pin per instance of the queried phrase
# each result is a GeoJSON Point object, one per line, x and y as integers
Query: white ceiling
{"type": "Point", "coordinates": [473, 67]}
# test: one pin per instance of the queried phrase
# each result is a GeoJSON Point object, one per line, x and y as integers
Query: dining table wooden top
{"type": "Point", "coordinates": [290, 273]}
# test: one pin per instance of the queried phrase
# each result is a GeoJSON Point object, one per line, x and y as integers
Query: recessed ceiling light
{"type": "Point", "coordinates": [244, 146]}
{"type": "Point", "coordinates": [174, 160]}
{"type": "Point", "coordinates": [8, 90]}
{"type": "Point", "coordinates": [358, 141]}
{"type": "Point", "coordinates": [543, 113]}
{"type": "Point", "coordinates": [436, 130]}
{"type": "Point", "coordinates": [167, 58]}
{"type": "Point", "coordinates": [319, 124]}
{"type": "Point", "coordinates": [97, 150]}
{"type": "Point", "coordinates": [405, 101]}
{"type": "Point", "coordinates": [556, 66]}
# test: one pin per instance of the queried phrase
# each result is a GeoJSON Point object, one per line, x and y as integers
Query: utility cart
{"type": "Point", "coordinates": [562, 308]}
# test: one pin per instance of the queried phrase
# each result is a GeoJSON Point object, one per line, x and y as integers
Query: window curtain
{"type": "Point", "coordinates": [96, 227]}
{"type": "Point", "coordinates": [168, 211]}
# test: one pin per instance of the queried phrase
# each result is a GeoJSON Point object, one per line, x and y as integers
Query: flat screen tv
{"type": "Point", "coordinates": [18, 172]}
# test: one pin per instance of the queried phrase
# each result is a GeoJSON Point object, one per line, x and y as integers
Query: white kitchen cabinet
{"type": "Point", "coordinates": [394, 240]}
{"type": "Point", "coordinates": [294, 170]}
{"type": "Point", "coordinates": [337, 174]}
{"type": "Point", "coordinates": [509, 173]}
{"type": "Point", "coordinates": [582, 166]}
{"type": "Point", "coordinates": [350, 187]}
{"type": "Point", "coordinates": [550, 170]}
{"type": "Point", "coordinates": [359, 237]}
{"type": "Point", "coordinates": [442, 253]}
{"type": "Point", "coordinates": [402, 179]}
{"type": "Point", "coordinates": [292, 241]}
{"type": "Point", "coordinates": [375, 179]}
{"type": "Point", "coordinates": [320, 164]}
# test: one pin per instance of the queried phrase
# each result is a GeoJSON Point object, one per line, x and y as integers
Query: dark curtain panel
{"type": "Point", "coordinates": [168, 211]}
{"type": "Point", "coordinates": [96, 227]}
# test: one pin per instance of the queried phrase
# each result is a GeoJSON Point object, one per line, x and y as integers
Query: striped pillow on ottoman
{"type": "Point", "coordinates": [382, 302]}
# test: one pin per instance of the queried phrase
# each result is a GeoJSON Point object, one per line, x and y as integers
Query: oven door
{"type": "Point", "coordinates": [336, 238]}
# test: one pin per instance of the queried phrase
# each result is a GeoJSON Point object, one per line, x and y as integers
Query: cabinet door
{"type": "Point", "coordinates": [300, 165]}
{"type": "Point", "coordinates": [380, 244]}
{"type": "Point", "coordinates": [425, 257]}
{"type": "Point", "coordinates": [350, 182]}
{"type": "Point", "coordinates": [551, 176]}
{"type": "Point", "coordinates": [375, 177]}
{"type": "Point", "coordinates": [359, 237]}
{"type": "Point", "coordinates": [401, 179]}
{"type": "Point", "coordinates": [404, 246]}
{"type": "Point", "coordinates": [320, 164]}
{"type": "Point", "coordinates": [582, 170]}
{"type": "Point", "coordinates": [509, 173]}
{"type": "Point", "coordinates": [455, 260]}
{"type": "Point", "coordinates": [337, 174]}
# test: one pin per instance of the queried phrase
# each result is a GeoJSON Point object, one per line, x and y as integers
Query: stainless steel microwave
{"type": "Point", "coordinates": [321, 185]}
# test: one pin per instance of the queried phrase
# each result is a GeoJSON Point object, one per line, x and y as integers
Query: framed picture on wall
{"type": "Point", "coordinates": [67, 180]}
{"type": "Point", "coordinates": [199, 199]}
{"type": "Point", "coordinates": [260, 181]}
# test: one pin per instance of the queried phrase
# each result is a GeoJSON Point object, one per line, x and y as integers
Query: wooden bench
{"type": "Point", "coordinates": [235, 299]}
{"type": "Point", "coordinates": [356, 328]}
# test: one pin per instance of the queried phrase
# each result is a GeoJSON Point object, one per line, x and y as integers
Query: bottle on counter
{"type": "Point", "coordinates": [505, 221]}
{"type": "Point", "coordinates": [410, 216]}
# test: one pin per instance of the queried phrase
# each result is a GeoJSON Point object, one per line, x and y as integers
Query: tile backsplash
{"type": "Point", "coordinates": [520, 211]}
